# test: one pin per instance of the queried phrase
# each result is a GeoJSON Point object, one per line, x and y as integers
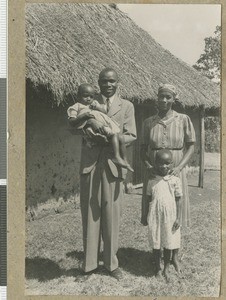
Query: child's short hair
{"type": "Point", "coordinates": [82, 86]}
{"type": "Point", "coordinates": [159, 155]}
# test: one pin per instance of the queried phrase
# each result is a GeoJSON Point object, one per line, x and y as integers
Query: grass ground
{"type": "Point", "coordinates": [212, 161]}
{"type": "Point", "coordinates": [54, 252]}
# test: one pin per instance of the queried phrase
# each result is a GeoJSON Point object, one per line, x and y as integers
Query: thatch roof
{"type": "Point", "coordinates": [68, 44]}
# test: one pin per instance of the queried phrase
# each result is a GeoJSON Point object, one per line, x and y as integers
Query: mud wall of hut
{"type": "Point", "coordinates": [52, 153]}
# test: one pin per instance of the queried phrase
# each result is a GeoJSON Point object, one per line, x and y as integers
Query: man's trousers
{"type": "Point", "coordinates": [101, 200]}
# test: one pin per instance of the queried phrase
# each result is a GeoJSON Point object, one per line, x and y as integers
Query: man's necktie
{"type": "Point", "coordinates": [108, 104]}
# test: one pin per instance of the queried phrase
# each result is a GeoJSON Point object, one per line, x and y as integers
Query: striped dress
{"type": "Point", "coordinates": [173, 134]}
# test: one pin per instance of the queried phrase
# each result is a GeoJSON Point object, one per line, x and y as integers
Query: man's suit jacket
{"type": "Point", "coordinates": [122, 111]}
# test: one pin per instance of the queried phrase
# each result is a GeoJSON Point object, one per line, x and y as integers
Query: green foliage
{"type": "Point", "coordinates": [209, 63]}
{"type": "Point", "coordinates": [212, 134]}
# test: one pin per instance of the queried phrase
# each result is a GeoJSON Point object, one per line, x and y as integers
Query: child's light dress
{"type": "Point", "coordinates": [163, 212]}
{"type": "Point", "coordinates": [79, 109]}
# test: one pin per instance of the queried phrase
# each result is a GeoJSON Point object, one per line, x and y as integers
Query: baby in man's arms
{"type": "Point", "coordinates": [89, 109]}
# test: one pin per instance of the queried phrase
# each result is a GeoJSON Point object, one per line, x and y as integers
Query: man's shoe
{"type": "Point", "coordinates": [90, 272]}
{"type": "Point", "coordinates": [117, 274]}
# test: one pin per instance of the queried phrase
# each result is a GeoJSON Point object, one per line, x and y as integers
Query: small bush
{"type": "Point", "coordinates": [212, 134]}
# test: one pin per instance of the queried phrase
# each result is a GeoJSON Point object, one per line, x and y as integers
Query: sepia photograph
{"type": "Point", "coordinates": [123, 157]}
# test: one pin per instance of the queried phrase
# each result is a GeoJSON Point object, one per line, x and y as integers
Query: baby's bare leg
{"type": "Point", "coordinates": [122, 146]}
{"type": "Point", "coordinates": [117, 159]}
{"type": "Point", "coordinates": [123, 151]}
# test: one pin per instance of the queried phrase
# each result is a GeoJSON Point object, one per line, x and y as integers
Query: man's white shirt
{"type": "Point", "coordinates": [111, 99]}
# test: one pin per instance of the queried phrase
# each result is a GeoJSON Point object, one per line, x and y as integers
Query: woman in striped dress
{"type": "Point", "coordinates": [170, 130]}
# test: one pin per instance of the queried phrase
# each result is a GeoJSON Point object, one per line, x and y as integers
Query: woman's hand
{"type": "Point", "coordinates": [147, 164]}
{"type": "Point", "coordinates": [176, 171]}
{"type": "Point", "coordinates": [150, 169]}
{"type": "Point", "coordinates": [190, 150]}
{"type": "Point", "coordinates": [176, 225]}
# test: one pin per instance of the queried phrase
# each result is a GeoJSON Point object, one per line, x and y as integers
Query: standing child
{"type": "Point", "coordinates": [87, 109]}
{"type": "Point", "coordinates": [164, 193]}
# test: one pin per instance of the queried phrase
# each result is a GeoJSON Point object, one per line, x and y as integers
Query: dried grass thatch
{"type": "Point", "coordinates": [68, 44]}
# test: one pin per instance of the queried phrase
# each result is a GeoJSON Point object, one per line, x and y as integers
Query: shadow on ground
{"type": "Point", "coordinates": [136, 261]}
{"type": "Point", "coordinates": [77, 255]}
{"type": "Point", "coordinates": [131, 260]}
{"type": "Point", "coordinates": [44, 269]}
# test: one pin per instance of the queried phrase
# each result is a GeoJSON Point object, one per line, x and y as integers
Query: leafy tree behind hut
{"type": "Point", "coordinates": [209, 63]}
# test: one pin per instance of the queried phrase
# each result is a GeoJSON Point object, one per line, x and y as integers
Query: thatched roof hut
{"type": "Point", "coordinates": [68, 44]}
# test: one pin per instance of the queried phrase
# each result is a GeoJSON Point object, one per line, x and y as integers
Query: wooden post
{"type": "Point", "coordinates": [202, 146]}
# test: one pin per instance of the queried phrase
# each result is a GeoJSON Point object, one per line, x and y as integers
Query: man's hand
{"type": "Point", "coordinates": [86, 115]}
{"type": "Point", "coordinates": [97, 126]}
{"type": "Point", "coordinates": [176, 225]}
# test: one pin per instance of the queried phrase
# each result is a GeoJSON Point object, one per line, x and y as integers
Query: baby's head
{"type": "Point", "coordinates": [85, 94]}
{"type": "Point", "coordinates": [163, 162]}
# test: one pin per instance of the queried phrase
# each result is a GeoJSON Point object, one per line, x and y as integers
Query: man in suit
{"type": "Point", "coordinates": [101, 187]}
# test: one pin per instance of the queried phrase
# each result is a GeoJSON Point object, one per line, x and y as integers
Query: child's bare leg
{"type": "Point", "coordinates": [123, 151]}
{"type": "Point", "coordinates": [157, 260]}
{"type": "Point", "coordinates": [167, 255]}
{"type": "Point", "coordinates": [175, 260]}
{"type": "Point", "coordinates": [117, 159]}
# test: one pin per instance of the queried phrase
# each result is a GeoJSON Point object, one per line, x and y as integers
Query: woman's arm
{"type": "Point", "coordinates": [144, 156]}
{"type": "Point", "coordinates": [145, 209]}
{"type": "Point", "coordinates": [177, 222]}
{"type": "Point", "coordinates": [190, 150]}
